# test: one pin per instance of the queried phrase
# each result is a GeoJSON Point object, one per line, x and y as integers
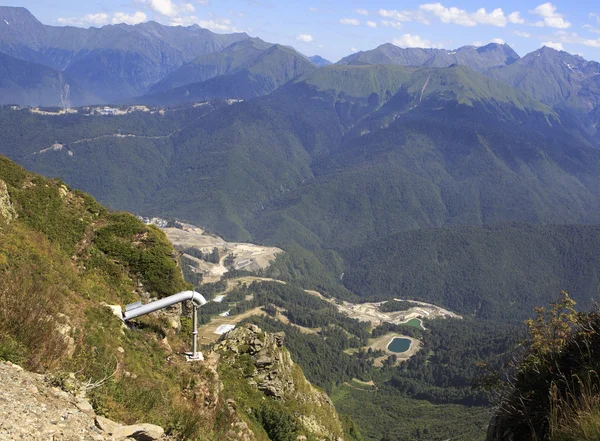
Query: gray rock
{"type": "Point", "coordinates": [85, 407]}
{"type": "Point", "coordinates": [140, 432]}
{"type": "Point", "coordinates": [107, 425]}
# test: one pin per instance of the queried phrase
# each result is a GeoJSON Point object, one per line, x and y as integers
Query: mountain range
{"type": "Point", "coordinates": [111, 63]}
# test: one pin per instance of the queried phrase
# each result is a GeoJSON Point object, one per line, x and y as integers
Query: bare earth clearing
{"type": "Point", "coordinates": [370, 312]}
{"type": "Point", "coordinates": [247, 256]}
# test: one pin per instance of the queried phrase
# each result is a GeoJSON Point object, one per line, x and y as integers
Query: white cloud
{"type": "Point", "coordinates": [99, 19]}
{"type": "Point", "coordinates": [404, 15]}
{"type": "Point", "coordinates": [493, 40]}
{"type": "Point", "coordinates": [574, 38]}
{"type": "Point", "coordinates": [391, 24]}
{"type": "Point", "coordinates": [353, 49]}
{"type": "Point", "coordinates": [464, 18]}
{"type": "Point", "coordinates": [169, 8]}
{"type": "Point", "coordinates": [522, 34]}
{"type": "Point", "coordinates": [371, 24]}
{"type": "Point", "coordinates": [361, 11]}
{"type": "Point", "coordinates": [202, 2]}
{"type": "Point", "coordinates": [102, 18]}
{"type": "Point", "coordinates": [550, 17]}
{"type": "Point", "coordinates": [216, 24]}
{"type": "Point", "coordinates": [130, 19]}
{"type": "Point", "coordinates": [596, 16]}
{"type": "Point", "coordinates": [550, 44]}
{"type": "Point", "coordinates": [408, 40]}
{"type": "Point", "coordinates": [591, 29]}
{"type": "Point", "coordinates": [305, 38]}
{"type": "Point", "coordinates": [350, 21]}
{"type": "Point", "coordinates": [313, 9]}
{"type": "Point", "coordinates": [515, 18]}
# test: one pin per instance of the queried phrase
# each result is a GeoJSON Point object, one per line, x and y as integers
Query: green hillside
{"type": "Point", "coordinates": [499, 272]}
{"type": "Point", "coordinates": [342, 155]}
{"type": "Point", "coordinates": [244, 70]}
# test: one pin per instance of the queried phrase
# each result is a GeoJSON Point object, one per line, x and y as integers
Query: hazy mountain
{"type": "Point", "coordinates": [559, 79]}
{"type": "Point", "coordinates": [244, 70]}
{"type": "Point", "coordinates": [22, 82]}
{"type": "Point", "coordinates": [477, 58]}
{"type": "Point", "coordinates": [319, 61]}
{"type": "Point", "coordinates": [112, 62]}
{"type": "Point", "coordinates": [554, 77]}
{"type": "Point", "coordinates": [238, 56]}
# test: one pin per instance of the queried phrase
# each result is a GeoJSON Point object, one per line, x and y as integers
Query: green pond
{"type": "Point", "coordinates": [415, 323]}
{"type": "Point", "coordinates": [399, 345]}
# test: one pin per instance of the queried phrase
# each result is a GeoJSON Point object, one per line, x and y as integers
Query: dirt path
{"type": "Point", "coordinates": [122, 135]}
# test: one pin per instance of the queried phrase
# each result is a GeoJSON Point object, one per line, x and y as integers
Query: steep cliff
{"type": "Point", "coordinates": [270, 389]}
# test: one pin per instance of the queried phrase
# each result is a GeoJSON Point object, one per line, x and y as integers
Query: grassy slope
{"type": "Point", "coordinates": [59, 260]}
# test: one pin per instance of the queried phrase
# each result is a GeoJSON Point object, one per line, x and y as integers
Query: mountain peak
{"type": "Point", "coordinates": [15, 13]}
{"type": "Point", "coordinates": [319, 61]}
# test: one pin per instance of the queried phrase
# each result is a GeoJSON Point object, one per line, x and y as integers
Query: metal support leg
{"type": "Point", "coordinates": [195, 354]}
{"type": "Point", "coordinates": [195, 333]}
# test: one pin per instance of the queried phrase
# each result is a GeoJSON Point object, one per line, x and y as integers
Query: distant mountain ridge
{"type": "Point", "coordinates": [244, 70]}
{"type": "Point", "coordinates": [477, 58]}
{"type": "Point", "coordinates": [26, 83]}
{"type": "Point", "coordinates": [319, 61]}
{"type": "Point", "coordinates": [112, 62]}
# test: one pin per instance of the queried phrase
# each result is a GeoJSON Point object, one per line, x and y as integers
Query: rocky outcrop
{"type": "Point", "coordinates": [31, 409]}
{"type": "Point", "coordinates": [7, 211]}
{"type": "Point", "coordinates": [271, 370]}
{"type": "Point", "coordinates": [272, 373]}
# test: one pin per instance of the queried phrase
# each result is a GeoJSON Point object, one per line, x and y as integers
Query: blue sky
{"type": "Point", "coordinates": [336, 28]}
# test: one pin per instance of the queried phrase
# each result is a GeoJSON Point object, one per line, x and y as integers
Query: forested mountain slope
{"type": "Point", "coordinates": [491, 272]}
{"type": "Point", "coordinates": [340, 156]}
{"type": "Point", "coordinates": [245, 70]}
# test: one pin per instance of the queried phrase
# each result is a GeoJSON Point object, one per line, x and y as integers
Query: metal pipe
{"type": "Point", "coordinates": [196, 298]}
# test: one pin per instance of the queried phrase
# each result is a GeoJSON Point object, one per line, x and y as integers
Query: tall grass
{"type": "Point", "coordinates": [552, 391]}
{"type": "Point", "coordinates": [28, 328]}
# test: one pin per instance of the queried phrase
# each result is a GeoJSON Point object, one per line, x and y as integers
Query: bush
{"type": "Point", "coordinates": [552, 391]}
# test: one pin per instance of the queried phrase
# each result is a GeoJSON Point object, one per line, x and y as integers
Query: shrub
{"type": "Point", "coordinates": [552, 390]}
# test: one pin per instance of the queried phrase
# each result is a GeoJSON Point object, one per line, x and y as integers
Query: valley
{"type": "Point", "coordinates": [400, 245]}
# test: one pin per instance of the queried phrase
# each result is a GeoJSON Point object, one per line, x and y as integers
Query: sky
{"type": "Point", "coordinates": [337, 28]}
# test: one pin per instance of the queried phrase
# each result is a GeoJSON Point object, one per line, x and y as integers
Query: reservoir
{"type": "Point", "coordinates": [399, 345]}
{"type": "Point", "coordinates": [415, 323]}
